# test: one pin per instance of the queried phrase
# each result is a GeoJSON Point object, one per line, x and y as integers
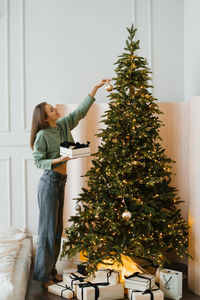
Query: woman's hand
{"type": "Point", "coordinates": [102, 82]}
{"type": "Point", "coordinates": [64, 158]}
{"type": "Point", "coordinates": [60, 159]}
{"type": "Point", "coordinates": [98, 85]}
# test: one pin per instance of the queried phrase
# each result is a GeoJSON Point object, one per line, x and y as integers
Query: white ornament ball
{"type": "Point", "coordinates": [126, 215]}
{"type": "Point", "coordinates": [109, 87]}
{"type": "Point", "coordinates": [77, 207]}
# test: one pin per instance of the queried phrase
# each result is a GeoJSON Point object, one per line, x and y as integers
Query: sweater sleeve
{"type": "Point", "coordinates": [39, 152]}
{"type": "Point", "coordinates": [79, 113]}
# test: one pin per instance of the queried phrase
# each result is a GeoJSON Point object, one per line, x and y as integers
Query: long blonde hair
{"type": "Point", "coordinates": [38, 121]}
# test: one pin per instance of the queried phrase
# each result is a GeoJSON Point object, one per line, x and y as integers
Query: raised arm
{"type": "Point", "coordinates": [97, 86]}
{"type": "Point", "coordinates": [80, 112]}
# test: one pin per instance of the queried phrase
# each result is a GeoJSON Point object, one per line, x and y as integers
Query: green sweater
{"type": "Point", "coordinates": [47, 141]}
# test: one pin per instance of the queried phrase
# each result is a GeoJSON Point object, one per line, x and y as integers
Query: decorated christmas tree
{"type": "Point", "coordinates": [128, 206]}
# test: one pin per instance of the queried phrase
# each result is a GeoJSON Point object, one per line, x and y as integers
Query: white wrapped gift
{"type": "Point", "coordinates": [155, 294]}
{"type": "Point", "coordinates": [139, 281]}
{"type": "Point", "coordinates": [69, 270]}
{"type": "Point", "coordinates": [61, 289]}
{"type": "Point", "coordinates": [107, 275]}
{"type": "Point", "coordinates": [157, 275]}
{"type": "Point", "coordinates": [72, 279]}
{"type": "Point", "coordinates": [171, 283]}
{"type": "Point", "coordinates": [99, 291]}
{"type": "Point", "coordinates": [75, 153]}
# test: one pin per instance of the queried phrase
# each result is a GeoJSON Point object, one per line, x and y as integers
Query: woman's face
{"type": "Point", "coordinates": [52, 113]}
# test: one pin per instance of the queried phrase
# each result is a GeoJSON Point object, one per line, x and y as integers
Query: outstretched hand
{"type": "Point", "coordinates": [102, 82]}
{"type": "Point", "coordinates": [98, 85]}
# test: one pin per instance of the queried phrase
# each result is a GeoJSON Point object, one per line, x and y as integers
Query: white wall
{"type": "Point", "coordinates": [56, 50]}
{"type": "Point", "coordinates": [71, 45]}
{"type": "Point", "coordinates": [161, 32]}
{"type": "Point", "coordinates": [191, 48]}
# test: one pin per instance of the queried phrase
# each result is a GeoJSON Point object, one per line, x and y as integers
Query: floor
{"type": "Point", "coordinates": [36, 292]}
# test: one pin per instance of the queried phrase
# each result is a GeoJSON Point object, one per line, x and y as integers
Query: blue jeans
{"type": "Point", "coordinates": [51, 190]}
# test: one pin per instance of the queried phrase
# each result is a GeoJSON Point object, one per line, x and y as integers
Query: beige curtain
{"type": "Point", "coordinates": [174, 135]}
{"type": "Point", "coordinates": [85, 131]}
{"type": "Point", "coordinates": [181, 140]}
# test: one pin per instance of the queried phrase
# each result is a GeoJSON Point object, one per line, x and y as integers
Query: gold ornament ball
{"type": "Point", "coordinates": [109, 87]}
{"type": "Point", "coordinates": [126, 215]}
{"type": "Point", "coordinates": [77, 207]}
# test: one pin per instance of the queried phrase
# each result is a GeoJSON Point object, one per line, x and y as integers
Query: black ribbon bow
{"type": "Point", "coordinates": [148, 291]}
{"type": "Point", "coordinates": [137, 274]}
{"type": "Point", "coordinates": [76, 145]}
{"type": "Point", "coordinates": [94, 285]}
{"type": "Point", "coordinates": [75, 277]}
{"type": "Point", "coordinates": [110, 271]}
{"type": "Point", "coordinates": [65, 287]}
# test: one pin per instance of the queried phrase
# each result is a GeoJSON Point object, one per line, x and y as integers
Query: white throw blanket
{"type": "Point", "coordinates": [10, 244]}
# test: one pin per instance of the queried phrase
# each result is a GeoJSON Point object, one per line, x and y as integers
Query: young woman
{"type": "Point", "coordinates": [47, 132]}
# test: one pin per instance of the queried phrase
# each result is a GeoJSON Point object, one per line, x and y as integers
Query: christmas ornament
{"type": "Point", "coordinates": [126, 215]}
{"type": "Point", "coordinates": [77, 207]}
{"type": "Point", "coordinates": [109, 87]}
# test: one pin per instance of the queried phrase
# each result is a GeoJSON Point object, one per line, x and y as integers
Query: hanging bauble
{"type": "Point", "coordinates": [109, 87]}
{"type": "Point", "coordinates": [126, 215]}
{"type": "Point", "coordinates": [77, 207]}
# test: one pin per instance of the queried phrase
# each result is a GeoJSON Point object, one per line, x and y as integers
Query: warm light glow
{"type": "Point", "coordinates": [190, 220]}
{"type": "Point", "coordinates": [127, 268]}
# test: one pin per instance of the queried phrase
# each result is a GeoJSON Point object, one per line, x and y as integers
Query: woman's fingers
{"type": "Point", "coordinates": [106, 80]}
{"type": "Point", "coordinates": [65, 158]}
{"type": "Point", "coordinates": [103, 81]}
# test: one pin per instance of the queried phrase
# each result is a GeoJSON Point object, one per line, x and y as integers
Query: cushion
{"type": "Point", "coordinates": [10, 229]}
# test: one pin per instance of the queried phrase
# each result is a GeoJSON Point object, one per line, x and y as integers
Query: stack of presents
{"type": "Point", "coordinates": [105, 284]}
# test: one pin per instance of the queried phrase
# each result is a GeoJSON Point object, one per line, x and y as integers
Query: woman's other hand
{"type": "Point", "coordinates": [60, 159]}
{"type": "Point", "coordinates": [64, 158]}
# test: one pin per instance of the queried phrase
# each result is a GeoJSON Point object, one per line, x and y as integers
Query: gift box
{"type": "Point", "coordinates": [69, 270]}
{"type": "Point", "coordinates": [74, 150]}
{"type": "Point", "coordinates": [81, 268]}
{"type": "Point", "coordinates": [171, 283]}
{"type": "Point", "coordinates": [154, 294]}
{"type": "Point", "coordinates": [100, 291]}
{"type": "Point", "coordinates": [72, 279]}
{"type": "Point", "coordinates": [139, 281]}
{"type": "Point", "coordinates": [61, 289]}
{"type": "Point", "coordinates": [108, 275]}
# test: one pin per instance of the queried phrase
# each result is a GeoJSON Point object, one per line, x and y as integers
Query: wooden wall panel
{"type": "Point", "coordinates": [174, 135]}
{"type": "Point", "coordinates": [4, 69]}
{"type": "Point", "coordinates": [194, 194]}
{"type": "Point", "coordinates": [5, 190]}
